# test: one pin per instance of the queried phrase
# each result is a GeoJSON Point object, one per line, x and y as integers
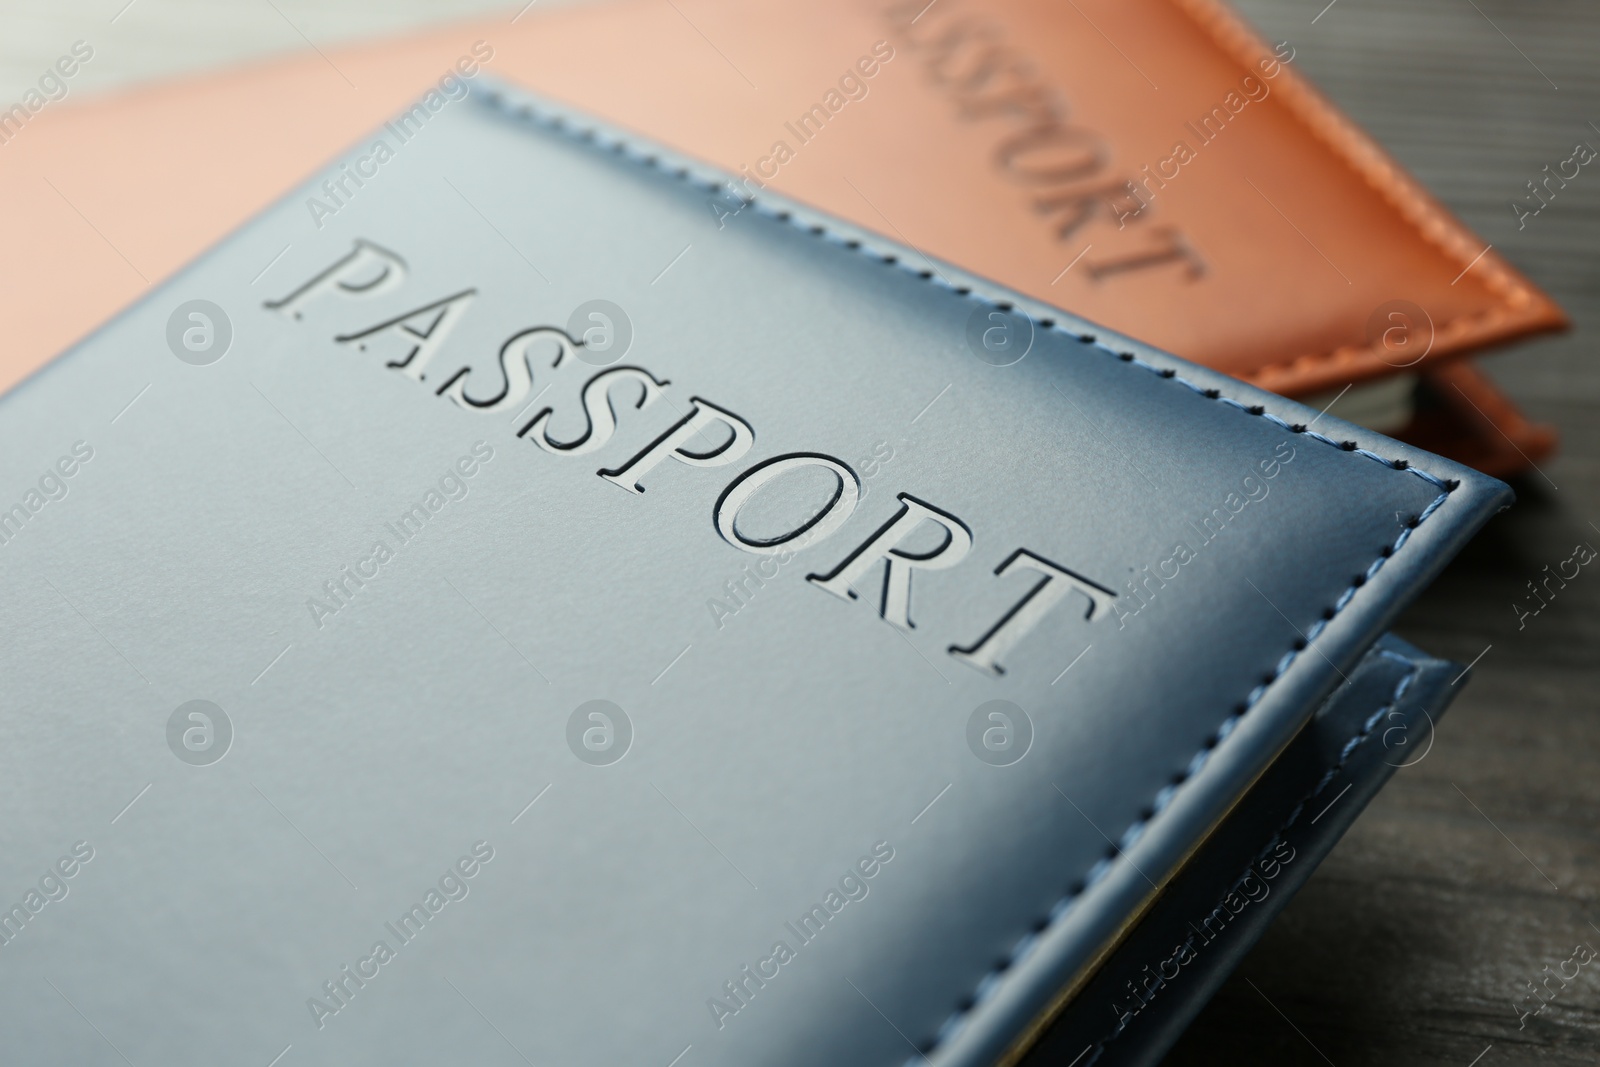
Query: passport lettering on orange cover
{"type": "Point", "coordinates": [1148, 164]}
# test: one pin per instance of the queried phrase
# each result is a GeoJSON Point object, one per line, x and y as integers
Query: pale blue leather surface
{"type": "Point", "coordinates": [769, 755]}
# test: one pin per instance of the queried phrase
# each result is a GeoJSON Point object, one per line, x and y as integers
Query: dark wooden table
{"type": "Point", "coordinates": [1479, 866]}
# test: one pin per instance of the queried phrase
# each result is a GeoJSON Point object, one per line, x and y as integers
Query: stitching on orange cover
{"type": "Point", "coordinates": [1382, 175]}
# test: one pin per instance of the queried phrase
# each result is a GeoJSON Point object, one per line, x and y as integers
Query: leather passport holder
{"type": "Point", "coordinates": [530, 618]}
{"type": "Point", "coordinates": [1150, 164]}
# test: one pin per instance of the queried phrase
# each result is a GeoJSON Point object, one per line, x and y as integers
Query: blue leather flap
{"type": "Point", "coordinates": [1221, 904]}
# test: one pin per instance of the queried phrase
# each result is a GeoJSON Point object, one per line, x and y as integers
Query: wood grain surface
{"type": "Point", "coordinates": [1479, 866]}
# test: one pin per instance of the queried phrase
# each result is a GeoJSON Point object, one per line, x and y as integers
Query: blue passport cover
{"type": "Point", "coordinates": [511, 602]}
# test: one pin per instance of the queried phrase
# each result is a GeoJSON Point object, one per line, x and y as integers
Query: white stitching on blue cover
{"type": "Point", "coordinates": [597, 137]}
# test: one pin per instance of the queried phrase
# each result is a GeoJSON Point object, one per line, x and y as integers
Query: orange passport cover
{"type": "Point", "coordinates": [1149, 164]}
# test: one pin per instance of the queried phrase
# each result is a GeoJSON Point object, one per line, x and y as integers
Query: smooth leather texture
{"type": "Point", "coordinates": [374, 745]}
{"type": "Point", "coordinates": [1221, 904]}
{"type": "Point", "coordinates": [999, 138]}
